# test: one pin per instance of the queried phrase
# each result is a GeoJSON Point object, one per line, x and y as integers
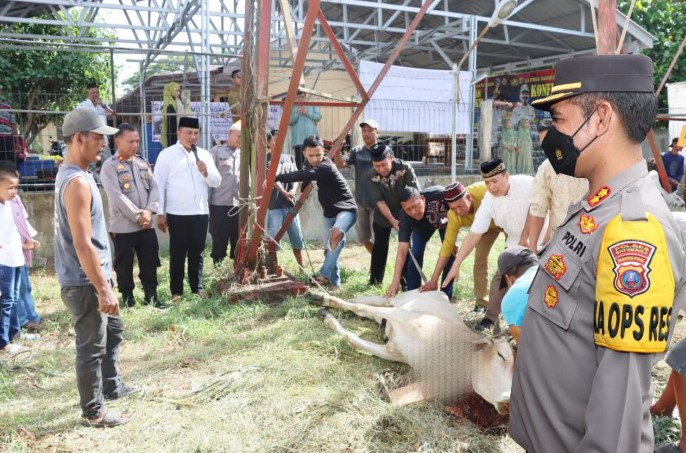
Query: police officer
{"type": "Point", "coordinates": [132, 197]}
{"type": "Point", "coordinates": [600, 309]}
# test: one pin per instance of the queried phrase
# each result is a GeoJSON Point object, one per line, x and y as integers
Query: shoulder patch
{"type": "Point", "coordinates": [601, 195]}
{"type": "Point", "coordinates": [587, 224]}
{"type": "Point", "coordinates": [635, 287]}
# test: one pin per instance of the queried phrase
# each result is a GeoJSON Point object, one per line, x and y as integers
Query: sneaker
{"type": "Point", "coordinates": [484, 324]}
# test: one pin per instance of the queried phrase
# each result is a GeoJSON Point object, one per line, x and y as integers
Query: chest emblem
{"type": "Point", "coordinates": [601, 195]}
{"type": "Point", "coordinates": [550, 296]}
{"type": "Point", "coordinates": [556, 266]}
{"type": "Point", "coordinates": [587, 224]}
{"type": "Point", "coordinates": [632, 260]}
{"type": "Point", "coordinates": [119, 167]}
{"type": "Point", "coordinates": [127, 185]}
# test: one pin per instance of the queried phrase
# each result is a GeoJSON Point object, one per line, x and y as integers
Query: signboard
{"type": "Point", "coordinates": [220, 119]}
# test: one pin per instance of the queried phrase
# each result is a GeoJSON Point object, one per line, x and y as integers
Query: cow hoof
{"type": "Point", "coordinates": [317, 299]}
{"type": "Point", "coordinates": [323, 313]}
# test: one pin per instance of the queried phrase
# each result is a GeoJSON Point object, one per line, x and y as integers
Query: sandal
{"type": "Point", "coordinates": [109, 419]}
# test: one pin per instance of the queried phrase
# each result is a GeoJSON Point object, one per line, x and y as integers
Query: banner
{"type": "Point", "coordinates": [220, 119]}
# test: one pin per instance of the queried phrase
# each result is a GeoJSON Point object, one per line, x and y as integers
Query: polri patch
{"type": "Point", "coordinates": [632, 260]}
{"type": "Point", "coordinates": [601, 195]}
{"type": "Point", "coordinates": [587, 224]}
{"type": "Point", "coordinates": [550, 296]}
{"type": "Point", "coordinates": [556, 266]}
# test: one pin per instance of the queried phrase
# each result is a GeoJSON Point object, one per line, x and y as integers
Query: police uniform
{"type": "Point", "coordinates": [600, 313]}
{"type": "Point", "coordinates": [131, 188]}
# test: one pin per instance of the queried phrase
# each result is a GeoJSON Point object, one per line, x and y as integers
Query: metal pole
{"type": "Point", "coordinates": [453, 125]}
{"type": "Point", "coordinates": [144, 124]}
{"type": "Point", "coordinates": [206, 135]}
{"type": "Point", "coordinates": [469, 148]}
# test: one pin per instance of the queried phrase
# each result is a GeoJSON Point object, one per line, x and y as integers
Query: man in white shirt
{"type": "Point", "coordinates": [184, 175]}
{"type": "Point", "coordinates": [506, 204]}
{"type": "Point", "coordinates": [103, 110]}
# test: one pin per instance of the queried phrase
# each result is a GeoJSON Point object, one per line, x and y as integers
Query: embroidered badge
{"type": "Point", "coordinates": [125, 177]}
{"type": "Point", "coordinates": [127, 185]}
{"type": "Point", "coordinates": [587, 224]}
{"type": "Point", "coordinates": [550, 296]}
{"type": "Point", "coordinates": [556, 266]}
{"type": "Point", "coordinates": [120, 167]}
{"type": "Point", "coordinates": [600, 196]}
{"type": "Point", "coordinates": [632, 259]}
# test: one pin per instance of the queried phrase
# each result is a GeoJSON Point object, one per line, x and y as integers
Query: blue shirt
{"type": "Point", "coordinates": [674, 165]}
{"type": "Point", "coordinates": [517, 297]}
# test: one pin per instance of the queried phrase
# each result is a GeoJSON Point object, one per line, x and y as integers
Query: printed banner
{"type": "Point", "coordinates": [220, 119]}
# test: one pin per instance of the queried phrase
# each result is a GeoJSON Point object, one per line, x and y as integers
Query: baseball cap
{"type": "Point", "coordinates": [512, 257]}
{"type": "Point", "coordinates": [371, 123]}
{"type": "Point", "coordinates": [85, 120]}
{"type": "Point", "coordinates": [599, 73]}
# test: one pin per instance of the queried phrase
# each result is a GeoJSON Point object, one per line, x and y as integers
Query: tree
{"type": "Point", "coordinates": [50, 80]}
{"type": "Point", "coordinates": [663, 19]}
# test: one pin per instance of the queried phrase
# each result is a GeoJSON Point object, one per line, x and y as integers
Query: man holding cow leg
{"type": "Point", "coordinates": [463, 203]}
{"type": "Point", "coordinates": [423, 213]}
{"type": "Point", "coordinates": [506, 205]}
{"type": "Point", "coordinates": [582, 383]}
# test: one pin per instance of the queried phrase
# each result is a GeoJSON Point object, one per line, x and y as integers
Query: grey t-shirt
{"type": "Point", "coordinates": [227, 161]}
{"type": "Point", "coordinates": [361, 160]}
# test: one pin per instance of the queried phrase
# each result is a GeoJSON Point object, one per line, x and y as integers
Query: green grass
{"type": "Point", "coordinates": [248, 377]}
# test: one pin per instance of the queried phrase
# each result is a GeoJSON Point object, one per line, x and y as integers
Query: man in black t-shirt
{"type": "Point", "coordinates": [423, 212]}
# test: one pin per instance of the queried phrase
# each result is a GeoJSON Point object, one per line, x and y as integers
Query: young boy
{"type": "Point", "coordinates": [11, 262]}
{"type": "Point", "coordinates": [338, 203]}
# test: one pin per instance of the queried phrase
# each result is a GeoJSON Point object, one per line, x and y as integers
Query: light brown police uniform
{"type": "Point", "coordinates": [599, 316]}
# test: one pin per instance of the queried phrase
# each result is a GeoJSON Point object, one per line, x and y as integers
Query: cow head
{"type": "Point", "coordinates": [493, 366]}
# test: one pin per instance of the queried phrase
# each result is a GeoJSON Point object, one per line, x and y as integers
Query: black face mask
{"type": "Point", "coordinates": [560, 149]}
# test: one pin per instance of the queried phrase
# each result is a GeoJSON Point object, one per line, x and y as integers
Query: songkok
{"type": "Point", "coordinates": [492, 167]}
{"type": "Point", "coordinates": [186, 121]}
{"type": "Point", "coordinates": [454, 192]}
{"type": "Point", "coordinates": [379, 151]}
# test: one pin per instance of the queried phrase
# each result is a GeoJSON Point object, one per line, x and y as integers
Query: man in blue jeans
{"type": "Point", "coordinates": [423, 213]}
{"type": "Point", "coordinates": [338, 204]}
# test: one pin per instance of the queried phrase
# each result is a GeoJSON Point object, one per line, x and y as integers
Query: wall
{"type": "Point", "coordinates": [40, 206]}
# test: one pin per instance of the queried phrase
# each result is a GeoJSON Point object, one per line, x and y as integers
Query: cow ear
{"type": "Point", "coordinates": [482, 343]}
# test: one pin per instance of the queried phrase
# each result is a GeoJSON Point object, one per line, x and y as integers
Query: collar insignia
{"type": "Point", "coordinates": [601, 195]}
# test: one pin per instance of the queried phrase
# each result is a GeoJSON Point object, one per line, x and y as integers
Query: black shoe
{"type": "Point", "coordinates": [151, 299]}
{"type": "Point", "coordinates": [128, 300]}
{"type": "Point", "coordinates": [479, 309]}
{"type": "Point", "coordinates": [484, 324]}
{"type": "Point", "coordinates": [124, 390]}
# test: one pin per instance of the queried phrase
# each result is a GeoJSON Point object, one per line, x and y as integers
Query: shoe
{"type": "Point", "coordinates": [176, 298]}
{"type": "Point", "coordinates": [34, 326]}
{"type": "Point", "coordinates": [12, 349]}
{"type": "Point", "coordinates": [128, 300]}
{"type": "Point", "coordinates": [124, 390]}
{"type": "Point", "coordinates": [109, 419]}
{"type": "Point", "coordinates": [152, 299]}
{"type": "Point", "coordinates": [485, 324]}
{"type": "Point", "coordinates": [200, 294]}
{"type": "Point", "coordinates": [479, 309]}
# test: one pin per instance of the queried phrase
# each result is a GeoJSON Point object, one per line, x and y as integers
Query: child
{"type": "Point", "coordinates": [340, 210]}
{"type": "Point", "coordinates": [11, 262]}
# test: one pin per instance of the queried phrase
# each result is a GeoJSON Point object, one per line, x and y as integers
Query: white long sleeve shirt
{"type": "Point", "coordinates": [11, 253]}
{"type": "Point", "coordinates": [183, 189]}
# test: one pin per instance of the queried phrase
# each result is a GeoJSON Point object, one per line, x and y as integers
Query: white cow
{"type": "Point", "coordinates": [425, 331]}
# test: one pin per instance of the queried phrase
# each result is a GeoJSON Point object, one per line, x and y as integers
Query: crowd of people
{"type": "Point", "coordinates": [593, 265]}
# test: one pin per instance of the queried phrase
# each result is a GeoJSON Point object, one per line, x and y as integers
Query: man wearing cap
{"type": "Point", "coordinates": [361, 159]}
{"type": "Point", "coordinates": [463, 203]}
{"type": "Point", "coordinates": [423, 212]}
{"type": "Point", "coordinates": [83, 263]}
{"type": "Point", "coordinates": [523, 109]}
{"type": "Point", "coordinates": [518, 266]}
{"type": "Point", "coordinates": [388, 178]}
{"type": "Point", "coordinates": [303, 123]}
{"type": "Point", "coordinates": [184, 174]}
{"type": "Point", "coordinates": [551, 197]}
{"type": "Point", "coordinates": [132, 197]}
{"type": "Point", "coordinates": [600, 310]}
{"type": "Point", "coordinates": [505, 205]}
{"type": "Point", "coordinates": [224, 205]}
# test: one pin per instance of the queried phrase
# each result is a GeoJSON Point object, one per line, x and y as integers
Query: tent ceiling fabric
{"type": "Point", "coordinates": [538, 33]}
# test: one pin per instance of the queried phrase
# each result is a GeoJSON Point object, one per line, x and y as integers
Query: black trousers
{"type": "Point", "coordinates": [142, 244]}
{"type": "Point", "coordinates": [224, 231]}
{"type": "Point", "coordinates": [377, 269]}
{"type": "Point", "coordinates": [187, 235]}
